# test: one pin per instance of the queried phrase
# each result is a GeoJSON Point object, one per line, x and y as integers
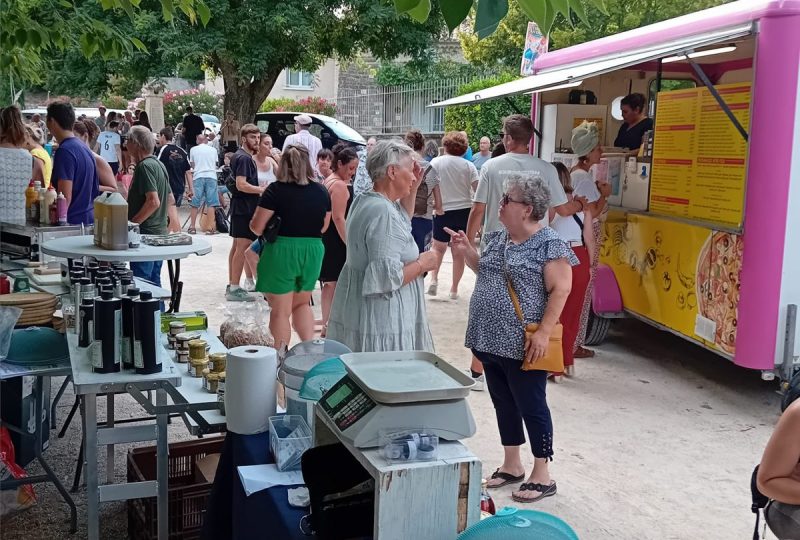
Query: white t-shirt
{"type": "Point", "coordinates": [456, 176]}
{"type": "Point", "coordinates": [108, 142]}
{"type": "Point", "coordinates": [309, 140]}
{"type": "Point", "coordinates": [204, 161]}
{"type": "Point", "coordinates": [567, 228]}
{"type": "Point", "coordinates": [493, 176]}
{"type": "Point", "coordinates": [583, 185]}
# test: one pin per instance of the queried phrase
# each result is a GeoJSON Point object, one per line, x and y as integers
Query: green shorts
{"type": "Point", "coordinates": [290, 265]}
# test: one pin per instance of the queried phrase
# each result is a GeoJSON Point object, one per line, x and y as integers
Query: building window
{"type": "Point", "coordinates": [299, 79]}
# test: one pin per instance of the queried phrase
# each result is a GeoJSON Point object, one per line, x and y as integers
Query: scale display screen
{"type": "Point", "coordinates": [346, 403]}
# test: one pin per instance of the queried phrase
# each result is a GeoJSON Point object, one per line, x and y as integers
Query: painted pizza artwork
{"type": "Point", "coordinates": [682, 276]}
{"type": "Point", "coordinates": [718, 268]}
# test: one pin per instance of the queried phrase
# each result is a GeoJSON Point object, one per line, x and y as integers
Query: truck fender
{"type": "Point", "coordinates": [606, 296]}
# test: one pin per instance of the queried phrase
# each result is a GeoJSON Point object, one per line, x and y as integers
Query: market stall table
{"type": "Point", "coordinates": [40, 372]}
{"type": "Point", "coordinates": [75, 247]}
{"type": "Point", "coordinates": [88, 385]}
{"type": "Point", "coordinates": [232, 514]}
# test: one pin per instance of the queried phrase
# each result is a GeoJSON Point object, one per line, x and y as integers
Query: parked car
{"type": "Point", "coordinates": [280, 125]}
{"type": "Point", "coordinates": [211, 122]}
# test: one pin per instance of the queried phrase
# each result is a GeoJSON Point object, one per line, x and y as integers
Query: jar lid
{"type": "Point", "coordinates": [188, 336]}
{"type": "Point", "coordinates": [206, 372]}
{"type": "Point", "coordinates": [221, 375]}
{"type": "Point", "coordinates": [199, 362]}
{"type": "Point", "coordinates": [211, 376]}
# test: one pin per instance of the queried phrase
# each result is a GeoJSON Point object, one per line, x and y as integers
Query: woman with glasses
{"type": "Point", "coordinates": [536, 263]}
{"type": "Point", "coordinates": [379, 303]}
{"type": "Point", "coordinates": [289, 266]}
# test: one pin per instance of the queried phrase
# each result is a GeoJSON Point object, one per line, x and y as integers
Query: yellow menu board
{"type": "Point", "coordinates": [699, 156]}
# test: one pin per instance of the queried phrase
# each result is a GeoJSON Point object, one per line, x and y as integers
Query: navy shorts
{"type": "Point", "coordinates": [452, 219]}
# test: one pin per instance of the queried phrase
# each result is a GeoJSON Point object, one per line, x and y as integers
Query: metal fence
{"type": "Point", "coordinates": [396, 109]}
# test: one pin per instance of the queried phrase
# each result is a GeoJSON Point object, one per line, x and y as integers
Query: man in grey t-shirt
{"type": "Point", "coordinates": [517, 131]}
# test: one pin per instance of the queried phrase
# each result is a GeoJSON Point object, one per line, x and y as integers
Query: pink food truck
{"type": "Point", "coordinates": [702, 238]}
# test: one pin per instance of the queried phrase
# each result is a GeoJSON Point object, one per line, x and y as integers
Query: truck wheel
{"type": "Point", "coordinates": [597, 330]}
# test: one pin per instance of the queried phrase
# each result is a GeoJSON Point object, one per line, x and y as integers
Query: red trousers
{"type": "Point", "coordinates": [571, 315]}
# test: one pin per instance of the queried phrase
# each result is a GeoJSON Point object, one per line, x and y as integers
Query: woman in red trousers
{"type": "Point", "coordinates": [576, 230]}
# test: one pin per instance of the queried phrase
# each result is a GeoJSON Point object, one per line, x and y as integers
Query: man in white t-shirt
{"type": "Point", "coordinates": [203, 180]}
{"type": "Point", "coordinates": [517, 133]}
{"type": "Point", "coordinates": [302, 136]}
{"type": "Point", "coordinates": [110, 145]}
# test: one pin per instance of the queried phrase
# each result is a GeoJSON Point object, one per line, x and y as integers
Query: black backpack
{"type": "Point", "coordinates": [342, 497]}
{"type": "Point", "coordinates": [760, 501]}
{"type": "Point", "coordinates": [423, 193]}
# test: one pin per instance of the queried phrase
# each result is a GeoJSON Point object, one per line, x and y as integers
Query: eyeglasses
{"type": "Point", "coordinates": [507, 199]}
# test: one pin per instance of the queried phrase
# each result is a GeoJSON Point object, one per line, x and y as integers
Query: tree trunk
{"type": "Point", "coordinates": [244, 99]}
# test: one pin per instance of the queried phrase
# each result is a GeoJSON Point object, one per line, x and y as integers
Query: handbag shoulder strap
{"type": "Point", "coordinates": [514, 299]}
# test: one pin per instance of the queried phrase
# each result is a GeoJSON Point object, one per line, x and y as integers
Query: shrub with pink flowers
{"type": "Point", "coordinates": [176, 101]}
{"type": "Point", "coordinates": [314, 105]}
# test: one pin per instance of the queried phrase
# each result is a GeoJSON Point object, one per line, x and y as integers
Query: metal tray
{"type": "Point", "coordinates": [406, 376]}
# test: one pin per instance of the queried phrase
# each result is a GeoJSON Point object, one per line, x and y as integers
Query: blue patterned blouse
{"type": "Point", "coordinates": [493, 325]}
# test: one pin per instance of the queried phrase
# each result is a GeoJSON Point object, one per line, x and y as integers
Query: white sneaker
{"type": "Point", "coordinates": [249, 285]}
{"type": "Point", "coordinates": [237, 294]}
{"type": "Point", "coordinates": [453, 295]}
{"type": "Point", "coordinates": [433, 287]}
{"type": "Point", "coordinates": [480, 381]}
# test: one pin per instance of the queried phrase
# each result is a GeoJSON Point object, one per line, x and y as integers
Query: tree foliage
{"type": "Point", "coordinates": [34, 30]}
{"type": "Point", "coordinates": [505, 46]}
{"type": "Point", "coordinates": [488, 14]}
{"type": "Point", "coordinates": [486, 118]}
{"type": "Point", "coordinates": [249, 42]}
{"type": "Point", "coordinates": [391, 74]}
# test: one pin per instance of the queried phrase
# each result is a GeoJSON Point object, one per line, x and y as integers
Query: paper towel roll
{"type": "Point", "coordinates": [250, 388]}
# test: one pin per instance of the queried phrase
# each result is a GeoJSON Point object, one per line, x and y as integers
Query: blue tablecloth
{"type": "Point", "coordinates": [233, 515]}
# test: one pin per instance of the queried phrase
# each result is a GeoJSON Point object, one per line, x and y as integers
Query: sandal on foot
{"type": "Point", "coordinates": [505, 477]}
{"type": "Point", "coordinates": [192, 230]}
{"type": "Point", "coordinates": [544, 491]}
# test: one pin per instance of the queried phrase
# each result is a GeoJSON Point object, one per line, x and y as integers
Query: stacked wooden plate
{"type": "Point", "coordinates": [37, 307]}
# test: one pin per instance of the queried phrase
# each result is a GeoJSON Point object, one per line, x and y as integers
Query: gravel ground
{"type": "Point", "coordinates": [654, 438]}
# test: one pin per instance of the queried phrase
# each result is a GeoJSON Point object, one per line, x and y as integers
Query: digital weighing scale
{"type": "Point", "coordinates": [398, 390]}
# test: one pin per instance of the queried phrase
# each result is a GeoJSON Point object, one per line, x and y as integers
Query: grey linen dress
{"type": "Point", "coordinates": [372, 310]}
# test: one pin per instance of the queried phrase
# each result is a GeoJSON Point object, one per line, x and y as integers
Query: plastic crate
{"type": "Point", "coordinates": [187, 498]}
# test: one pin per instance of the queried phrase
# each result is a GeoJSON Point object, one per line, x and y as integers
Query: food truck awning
{"type": "Point", "coordinates": [575, 73]}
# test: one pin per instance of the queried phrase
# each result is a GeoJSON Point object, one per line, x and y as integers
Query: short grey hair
{"type": "Point", "coordinates": [533, 190]}
{"type": "Point", "coordinates": [143, 138]}
{"type": "Point", "coordinates": [385, 154]}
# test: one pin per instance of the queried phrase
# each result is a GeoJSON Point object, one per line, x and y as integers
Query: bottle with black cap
{"type": "Point", "coordinates": [146, 329]}
{"type": "Point", "coordinates": [107, 332]}
{"type": "Point", "coordinates": [92, 270]}
{"type": "Point", "coordinates": [86, 323]}
{"type": "Point", "coordinates": [127, 327]}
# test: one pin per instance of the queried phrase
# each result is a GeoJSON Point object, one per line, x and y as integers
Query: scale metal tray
{"type": "Point", "coordinates": [406, 376]}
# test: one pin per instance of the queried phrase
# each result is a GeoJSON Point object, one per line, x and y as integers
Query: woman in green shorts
{"type": "Point", "coordinates": [289, 267]}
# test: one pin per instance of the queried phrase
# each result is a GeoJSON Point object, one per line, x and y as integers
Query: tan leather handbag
{"type": "Point", "coordinates": [553, 360]}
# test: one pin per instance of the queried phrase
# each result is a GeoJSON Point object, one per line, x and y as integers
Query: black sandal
{"type": "Point", "coordinates": [506, 477]}
{"type": "Point", "coordinates": [545, 491]}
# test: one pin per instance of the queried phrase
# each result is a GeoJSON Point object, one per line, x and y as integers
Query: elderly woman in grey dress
{"type": "Point", "coordinates": [379, 303]}
{"type": "Point", "coordinates": [537, 264]}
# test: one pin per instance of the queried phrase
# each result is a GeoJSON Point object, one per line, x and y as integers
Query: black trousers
{"type": "Point", "coordinates": [519, 396]}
